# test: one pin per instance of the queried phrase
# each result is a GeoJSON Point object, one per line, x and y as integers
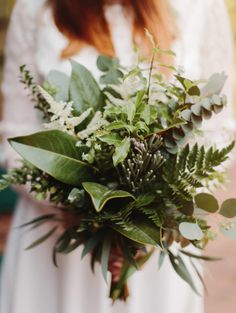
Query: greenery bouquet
{"type": "Point", "coordinates": [121, 163]}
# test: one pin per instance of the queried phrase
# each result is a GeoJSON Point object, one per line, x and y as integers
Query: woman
{"type": "Point", "coordinates": [43, 35]}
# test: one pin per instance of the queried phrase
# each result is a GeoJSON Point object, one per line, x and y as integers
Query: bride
{"type": "Point", "coordinates": [43, 35]}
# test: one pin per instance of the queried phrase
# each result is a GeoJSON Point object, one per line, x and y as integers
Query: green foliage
{"type": "Point", "coordinates": [40, 103]}
{"type": "Point", "coordinates": [100, 194]}
{"type": "Point", "coordinates": [55, 153]}
{"type": "Point", "coordinates": [84, 90]}
{"type": "Point", "coordinates": [121, 172]}
{"type": "Point", "coordinates": [228, 208]}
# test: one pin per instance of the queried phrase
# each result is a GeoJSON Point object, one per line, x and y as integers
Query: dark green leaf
{"type": "Point", "coordinates": [55, 153]}
{"type": "Point", "coordinates": [84, 90]}
{"type": "Point", "coordinates": [105, 256]}
{"type": "Point", "coordinates": [181, 269]}
{"type": "Point", "coordinates": [207, 202]}
{"type": "Point", "coordinates": [144, 232]}
{"type": "Point", "coordinates": [200, 257]}
{"type": "Point", "coordinates": [228, 208]}
{"type": "Point", "coordinates": [42, 239]}
{"type": "Point", "coordinates": [100, 194]}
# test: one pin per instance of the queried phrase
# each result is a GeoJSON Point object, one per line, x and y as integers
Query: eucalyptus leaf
{"type": "Point", "coordinates": [55, 153]}
{"type": "Point", "coordinates": [207, 202]}
{"type": "Point", "coordinates": [228, 208]}
{"type": "Point", "coordinates": [190, 231]}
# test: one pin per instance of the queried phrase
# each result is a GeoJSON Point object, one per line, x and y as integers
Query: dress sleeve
{"type": "Point", "coordinates": [217, 56]}
{"type": "Point", "coordinates": [19, 116]}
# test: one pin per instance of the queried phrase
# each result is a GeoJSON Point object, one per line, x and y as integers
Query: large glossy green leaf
{"type": "Point", "coordinates": [207, 202]}
{"type": "Point", "coordinates": [228, 208]}
{"type": "Point", "coordinates": [190, 231]}
{"type": "Point", "coordinates": [144, 232]}
{"type": "Point", "coordinates": [84, 90]}
{"type": "Point", "coordinates": [55, 153]}
{"type": "Point", "coordinates": [100, 194]}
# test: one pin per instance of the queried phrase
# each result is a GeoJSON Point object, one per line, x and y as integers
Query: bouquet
{"type": "Point", "coordinates": [122, 164]}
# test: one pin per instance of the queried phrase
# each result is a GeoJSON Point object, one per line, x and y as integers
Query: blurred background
{"type": "Point", "coordinates": [220, 276]}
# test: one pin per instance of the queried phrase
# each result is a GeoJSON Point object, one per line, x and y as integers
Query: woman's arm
{"type": "Point", "coordinates": [19, 116]}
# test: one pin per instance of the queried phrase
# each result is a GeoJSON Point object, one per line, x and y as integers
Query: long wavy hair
{"type": "Point", "coordinates": [84, 23]}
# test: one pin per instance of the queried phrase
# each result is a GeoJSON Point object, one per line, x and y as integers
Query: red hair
{"type": "Point", "coordinates": [84, 23]}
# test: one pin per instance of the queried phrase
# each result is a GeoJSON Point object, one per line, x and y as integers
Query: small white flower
{"type": "Point", "coordinates": [62, 114]}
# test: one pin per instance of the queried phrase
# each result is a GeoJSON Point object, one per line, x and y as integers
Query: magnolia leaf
{"type": "Point", "coordinates": [229, 230]}
{"type": "Point", "coordinates": [228, 208]}
{"type": "Point", "coordinates": [106, 247]}
{"type": "Point", "coordinates": [55, 153]}
{"type": "Point", "coordinates": [60, 82]}
{"type": "Point", "coordinates": [100, 194]}
{"type": "Point", "coordinates": [84, 90]}
{"type": "Point", "coordinates": [206, 202]}
{"type": "Point", "coordinates": [190, 231]}
{"type": "Point", "coordinates": [121, 151]}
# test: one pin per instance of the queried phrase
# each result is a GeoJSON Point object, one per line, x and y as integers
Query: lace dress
{"type": "Point", "coordinates": [30, 283]}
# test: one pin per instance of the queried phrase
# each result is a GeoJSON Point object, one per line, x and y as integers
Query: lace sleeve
{"type": "Point", "coordinates": [19, 116]}
{"type": "Point", "coordinates": [217, 56]}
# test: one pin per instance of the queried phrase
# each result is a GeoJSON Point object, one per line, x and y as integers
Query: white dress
{"type": "Point", "coordinates": [30, 283]}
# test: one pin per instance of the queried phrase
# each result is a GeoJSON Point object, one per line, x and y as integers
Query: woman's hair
{"type": "Point", "coordinates": [84, 23]}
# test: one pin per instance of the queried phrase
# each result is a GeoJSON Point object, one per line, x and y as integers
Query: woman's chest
{"type": "Point", "coordinates": [50, 42]}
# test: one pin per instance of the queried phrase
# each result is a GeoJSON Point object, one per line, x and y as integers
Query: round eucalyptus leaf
{"type": "Point", "coordinates": [197, 109]}
{"type": "Point", "coordinates": [207, 202]}
{"type": "Point", "coordinates": [190, 231]}
{"type": "Point", "coordinates": [228, 208]}
{"type": "Point", "coordinates": [186, 115]}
